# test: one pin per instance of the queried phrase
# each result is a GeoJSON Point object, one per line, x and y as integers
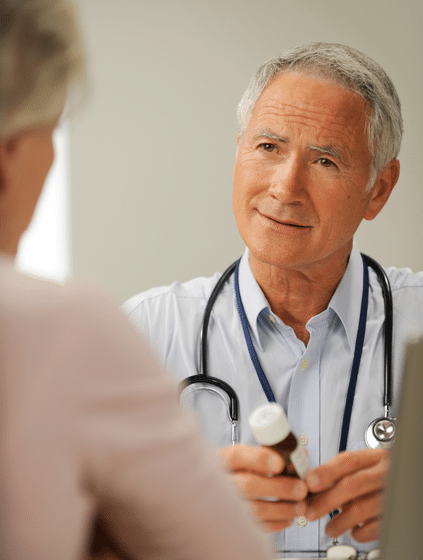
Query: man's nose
{"type": "Point", "coordinates": [288, 182]}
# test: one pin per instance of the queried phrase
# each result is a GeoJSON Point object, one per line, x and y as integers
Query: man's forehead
{"type": "Point", "coordinates": [294, 93]}
{"type": "Point", "coordinates": [302, 101]}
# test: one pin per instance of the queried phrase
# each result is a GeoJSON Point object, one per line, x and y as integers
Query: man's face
{"type": "Point", "coordinates": [301, 173]}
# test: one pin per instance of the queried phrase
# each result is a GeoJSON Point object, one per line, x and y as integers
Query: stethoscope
{"type": "Point", "coordinates": [380, 432]}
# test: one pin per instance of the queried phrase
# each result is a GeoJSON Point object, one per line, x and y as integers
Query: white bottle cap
{"type": "Point", "coordinates": [269, 424]}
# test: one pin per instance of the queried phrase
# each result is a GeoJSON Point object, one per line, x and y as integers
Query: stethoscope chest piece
{"type": "Point", "coordinates": [381, 432]}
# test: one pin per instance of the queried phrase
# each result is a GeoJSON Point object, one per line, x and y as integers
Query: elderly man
{"type": "Point", "coordinates": [319, 134]}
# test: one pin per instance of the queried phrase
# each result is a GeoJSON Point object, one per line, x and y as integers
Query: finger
{"type": "Point", "coordinates": [369, 531]}
{"type": "Point", "coordinates": [343, 464]}
{"type": "Point", "coordinates": [260, 460]}
{"type": "Point", "coordinates": [275, 516]}
{"type": "Point", "coordinates": [355, 514]}
{"type": "Point", "coordinates": [253, 486]}
{"type": "Point", "coordinates": [275, 526]}
{"type": "Point", "coordinates": [351, 487]}
{"type": "Point", "coordinates": [283, 512]}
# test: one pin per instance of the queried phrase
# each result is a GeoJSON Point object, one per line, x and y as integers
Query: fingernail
{"type": "Point", "coordinates": [313, 480]}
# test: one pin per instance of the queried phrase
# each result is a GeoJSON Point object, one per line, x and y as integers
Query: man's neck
{"type": "Point", "coordinates": [297, 294]}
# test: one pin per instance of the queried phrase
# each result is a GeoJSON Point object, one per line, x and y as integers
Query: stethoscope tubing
{"type": "Point", "coordinates": [219, 383]}
{"type": "Point", "coordinates": [210, 303]}
{"type": "Point", "coordinates": [388, 329]}
{"type": "Point", "coordinates": [203, 376]}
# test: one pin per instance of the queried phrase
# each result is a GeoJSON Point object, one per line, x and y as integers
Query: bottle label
{"type": "Point", "coordinates": [299, 459]}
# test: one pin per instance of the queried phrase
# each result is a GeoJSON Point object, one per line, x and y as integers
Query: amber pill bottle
{"type": "Point", "coordinates": [270, 427]}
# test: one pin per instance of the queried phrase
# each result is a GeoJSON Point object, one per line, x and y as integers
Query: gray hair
{"type": "Point", "coordinates": [42, 62]}
{"type": "Point", "coordinates": [351, 69]}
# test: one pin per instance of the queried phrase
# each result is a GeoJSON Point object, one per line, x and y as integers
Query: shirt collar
{"type": "Point", "coordinates": [253, 299]}
{"type": "Point", "coordinates": [345, 302]}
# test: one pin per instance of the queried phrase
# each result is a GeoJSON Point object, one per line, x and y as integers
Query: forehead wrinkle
{"type": "Point", "coordinates": [339, 131]}
{"type": "Point", "coordinates": [314, 114]}
{"type": "Point", "coordinates": [345, 111]}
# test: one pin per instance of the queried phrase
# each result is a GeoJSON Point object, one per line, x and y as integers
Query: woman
{"type": "Point", "coordinates": [90, 432]}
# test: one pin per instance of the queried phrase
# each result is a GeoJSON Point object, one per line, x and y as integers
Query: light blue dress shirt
{"type": "Point", "coordinates": [310, 382]}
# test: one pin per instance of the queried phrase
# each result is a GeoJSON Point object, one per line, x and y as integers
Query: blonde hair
{"type": "Point", "coordinates": [42, 62]}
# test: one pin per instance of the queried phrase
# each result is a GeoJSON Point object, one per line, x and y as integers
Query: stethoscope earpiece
{"type": "Point", "coordinates": [381, 432]}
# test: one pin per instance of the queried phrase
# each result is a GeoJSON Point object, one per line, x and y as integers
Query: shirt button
{"type": "Point", "coordinates": [272, 318]}
{"type": "Point", "coordinates": [303, 440]}
{"type": "Point", "coordinates": [304, 364]}
{"type": "Point", "coordinates": [302, 521]}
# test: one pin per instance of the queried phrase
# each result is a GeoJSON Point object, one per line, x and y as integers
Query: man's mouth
{"type": "Point", "coordinates": [285, 222]}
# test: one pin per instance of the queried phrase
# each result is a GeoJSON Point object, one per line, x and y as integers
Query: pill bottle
{"type": "Point", "coordinates": [270, 427]}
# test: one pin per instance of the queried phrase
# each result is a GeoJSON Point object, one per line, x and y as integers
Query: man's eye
{"type": "Point", "coordinates": [268, 147]}
{"type": "Point", "coordinates": [326, 162]}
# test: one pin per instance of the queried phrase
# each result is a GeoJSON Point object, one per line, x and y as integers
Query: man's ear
{"type": "Point", "coordinates": [382, 188]}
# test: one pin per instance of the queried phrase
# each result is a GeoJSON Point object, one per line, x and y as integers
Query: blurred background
{"type": "Point", "coordinates": [140, 193]}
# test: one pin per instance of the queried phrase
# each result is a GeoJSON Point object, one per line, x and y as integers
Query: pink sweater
{"type": "Point", "coordinates": [89, 424]}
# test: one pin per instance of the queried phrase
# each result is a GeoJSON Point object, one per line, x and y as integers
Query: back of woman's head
{"type": "Point", "coordinates": [42, 63]}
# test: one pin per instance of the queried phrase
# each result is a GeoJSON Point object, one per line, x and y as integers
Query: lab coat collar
{"type": "Point", "coordinates": [345, 301]}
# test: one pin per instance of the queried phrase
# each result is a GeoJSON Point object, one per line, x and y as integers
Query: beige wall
{"type": "Point", "coordinates": [152, 155]}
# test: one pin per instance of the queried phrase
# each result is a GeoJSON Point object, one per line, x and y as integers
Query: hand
{"type": "Point", "coordinates": [354, 483]}
{"type": "Point", "coordinates": [253, 472]}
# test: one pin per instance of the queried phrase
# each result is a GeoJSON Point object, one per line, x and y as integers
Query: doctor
{"type": "Point", "coordinates": [319, 134]}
